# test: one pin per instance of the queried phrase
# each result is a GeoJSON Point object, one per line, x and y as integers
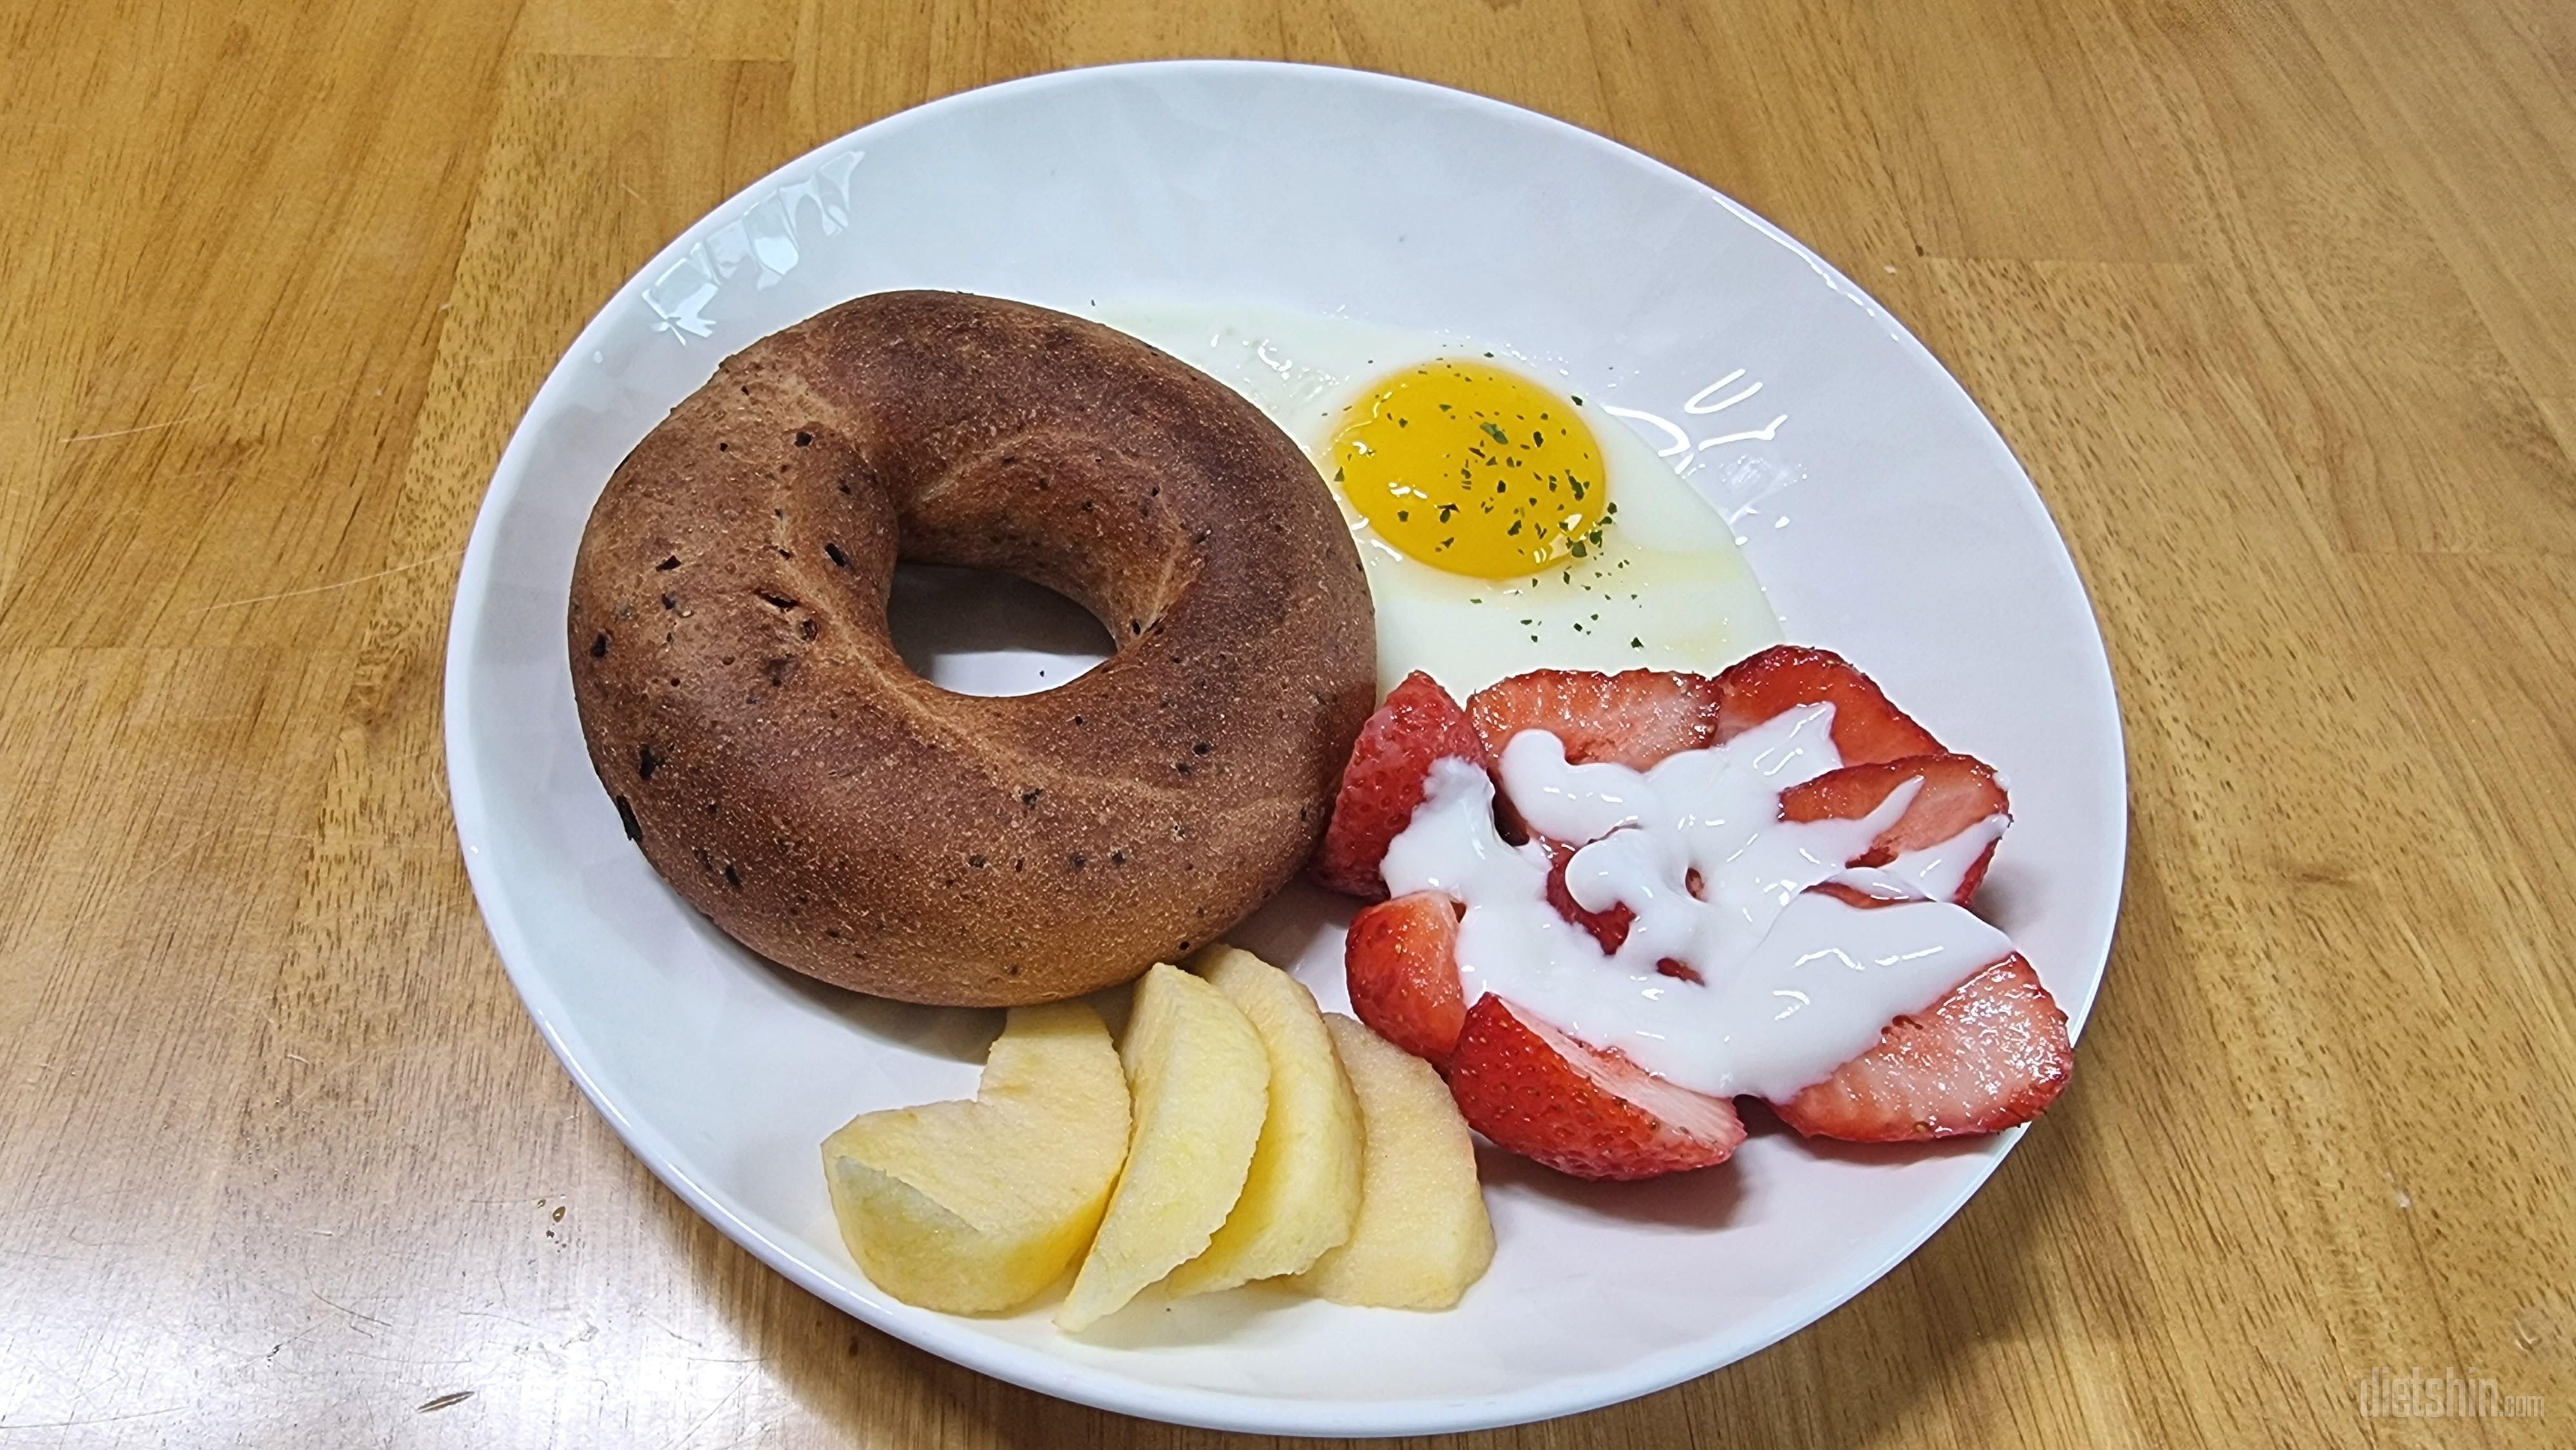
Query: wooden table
{"type": "Point", "coordinates": [2277, 301]}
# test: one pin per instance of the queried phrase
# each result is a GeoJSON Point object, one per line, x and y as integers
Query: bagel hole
{"type": "Point", "coordinates": [980, 632]}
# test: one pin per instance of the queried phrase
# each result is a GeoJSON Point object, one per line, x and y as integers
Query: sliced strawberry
{"type": "Point", "coordinates": [1958, 792]}
{"type": "Point", "coordinates": [1990, 1055]}
{"type": "Point", "coordinates": [1576, 1108]}
{"type": "Point", "coordinates": [1864, 896]}
{"type": "Point", "coordinates": [1634, 718]}
{"type": "Point", "coordinates": [1417, 725]}
{"type": "Point", "coordinates": [1607, 927]}
{"type": "Point", "coordinates": [1401, 959]}
{"type": "Point", "coordinates": [1610, 928]}
{"type": "Point", "coordinates": [1866, 727]}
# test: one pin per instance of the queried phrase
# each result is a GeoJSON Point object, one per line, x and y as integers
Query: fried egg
{"type": "Point", "coordinates": [1504, 523]}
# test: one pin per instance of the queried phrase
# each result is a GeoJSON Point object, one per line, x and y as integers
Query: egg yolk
{"type": "Point", "coordinates": [1472, 468]}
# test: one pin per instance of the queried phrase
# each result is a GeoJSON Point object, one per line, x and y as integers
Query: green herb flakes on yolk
{"type": "Point", "coordinates": [1472, 468]}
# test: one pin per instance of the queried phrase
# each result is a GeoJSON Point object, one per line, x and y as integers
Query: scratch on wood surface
{"type": "Point", "coordinates": [327, 588]}
{"type": "Point", "coordinates": [674, 1333]}
{"type": "Point", "coordinates": [441, 1402]}
{"type": "Point", "coordinates": [279, 1348]}
{"type": "Point", "coordinates": [242, 407]}
{"type": "Point", "coordinates": [37, 1254]}
{"type": "Point", "coordinates": [137, 428]}
{"type": "Point", "coordinates": [88, 1420]}
{"type": "Point", "coordinates": [208, 836]}
{"type": "Point", "coordinates": [345, 1309]}
{"type": "Point", "coordinates": [713, 1410]}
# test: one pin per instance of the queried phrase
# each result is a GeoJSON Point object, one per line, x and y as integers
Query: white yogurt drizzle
{"type": "Point", "coordinates": [1793, 984]}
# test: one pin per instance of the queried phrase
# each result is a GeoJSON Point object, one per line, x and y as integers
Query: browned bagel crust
{"type": "Point", "coordinates": [784, 770]}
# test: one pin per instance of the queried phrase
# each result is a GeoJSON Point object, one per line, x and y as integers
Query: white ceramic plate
{"type": "Point", "coordinates": [1882, 512]}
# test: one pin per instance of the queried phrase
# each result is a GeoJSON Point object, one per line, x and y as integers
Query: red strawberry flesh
{"type": "Point", "coordinates": [1401, 961]}
{"type": "Point", "coordinates": [1867, 728]}
{"type": "Point", "coordinates": [1958, 791]}
{"type": "Point", "coordinates": [1990, 1055]}
{"type": "Point", "coordinates": [1633, 718]}
{"type": "Point", "coordinates": [1609, 928]}
{"type": "Point", "coordinates": [1578, 1109]}
{"type": "Point", "coordinates": [1383, 782]}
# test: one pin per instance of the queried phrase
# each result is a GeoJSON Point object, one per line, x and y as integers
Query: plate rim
{"type": "Point", "coordinates": [955, 1339]}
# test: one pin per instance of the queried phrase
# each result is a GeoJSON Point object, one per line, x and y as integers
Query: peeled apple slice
{"type": "Point", "coordinates": [1423, 1235]}
{"type": "Point", "coordinates": [1303, 1191]}
{"type": "Point", "coordinates": [1200, 1081]}
{"type": "Point", "coordinates": [974, 1207]}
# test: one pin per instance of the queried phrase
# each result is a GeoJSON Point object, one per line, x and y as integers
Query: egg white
{"type": "Point", "coordinates": [1666, 589]}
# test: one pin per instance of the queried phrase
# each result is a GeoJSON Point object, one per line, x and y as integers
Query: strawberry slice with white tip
{"type": "Point", "coordinates": [1633, 718]}
{"type": "Point", "coordinates": [1383, 782]}
{"type": "Point", "coordinates": [1609, 927]}
{"type": "Point", "coordinates": [1990, 1055]}
{"type": "Point", "coordinates": [1577, 1108]}
{"type": "Point", "coordinates": [1401, 962]}
{"type": "Point", "coordinates": [1867, 727]}
{"type": "Point", "coordinates": [1958, 793]}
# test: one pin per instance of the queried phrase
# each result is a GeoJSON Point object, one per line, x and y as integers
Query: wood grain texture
{"type": "Point", "coordinates": [2274, 300]}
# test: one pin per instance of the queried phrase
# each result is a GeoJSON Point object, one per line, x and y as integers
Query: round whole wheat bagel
{"type": "Point", "coordinates": [788, 774]}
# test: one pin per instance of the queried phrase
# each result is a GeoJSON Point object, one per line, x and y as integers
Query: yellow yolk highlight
{"type": "Point", "coordinates": [1472, 468]}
